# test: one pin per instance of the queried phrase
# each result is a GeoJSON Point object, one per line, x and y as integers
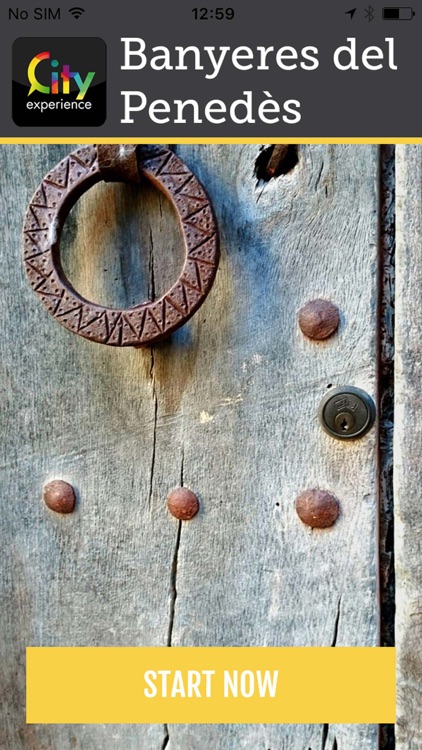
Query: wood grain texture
{"type": "Point", "coordinates": [407, 448]}
{"type": "Point", "coordinates": [226, 407]}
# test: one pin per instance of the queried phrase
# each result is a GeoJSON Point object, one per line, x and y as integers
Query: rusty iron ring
{"type": "Point", "coordinates": [151, 321]}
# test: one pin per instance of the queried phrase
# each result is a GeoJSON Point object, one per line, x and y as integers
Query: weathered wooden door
{"type": "Point", "coordinates": [227, 407]}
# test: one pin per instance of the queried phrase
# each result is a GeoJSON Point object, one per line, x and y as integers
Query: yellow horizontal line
{"type": "Point", "coordinates": [303, 140]}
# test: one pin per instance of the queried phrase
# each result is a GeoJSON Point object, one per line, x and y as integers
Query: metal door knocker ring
{"type": "Point", "coordinates": [151, 321]}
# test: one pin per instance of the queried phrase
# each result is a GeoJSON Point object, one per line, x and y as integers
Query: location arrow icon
{"type": "Point", "coordinates": [351, 12]}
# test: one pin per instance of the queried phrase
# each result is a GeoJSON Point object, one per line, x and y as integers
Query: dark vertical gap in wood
{"type": "Point", "coordinates": [154, 440]}
{"type": "Point", "coordinates": [151, 296]}
{"type": "Point", "coordinates": [386, 410]}
{"type": "Point", "coordinates": [336, 624]}
{"type": "Point", "coordinates": [151, 285]}
{"type": "Point", "coordinates": [325, 730]}
{"type": "Point", "coordinates": [173, 584]}
{"type": "Point", "coordinates": [166, 739]}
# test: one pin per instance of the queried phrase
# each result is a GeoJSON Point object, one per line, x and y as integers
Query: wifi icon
{"type": "Point", "coordinates": [76, 12]}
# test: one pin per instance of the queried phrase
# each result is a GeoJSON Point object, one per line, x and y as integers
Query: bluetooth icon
{"type": "Point", "coordinates": [369, 13]}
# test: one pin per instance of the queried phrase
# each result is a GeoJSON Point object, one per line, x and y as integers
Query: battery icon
{"type": "Point", "coordinates": [398, 14]}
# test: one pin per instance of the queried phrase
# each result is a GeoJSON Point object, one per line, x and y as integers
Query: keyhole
{"type": "Point", "coordinates": [344, 422]}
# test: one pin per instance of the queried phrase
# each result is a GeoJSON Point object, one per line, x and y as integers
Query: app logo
{"type": "Point", "coordinates": [59, 82]}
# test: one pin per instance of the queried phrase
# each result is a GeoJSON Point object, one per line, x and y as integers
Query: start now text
{"type": "Point", "coordinates": [191, 683]}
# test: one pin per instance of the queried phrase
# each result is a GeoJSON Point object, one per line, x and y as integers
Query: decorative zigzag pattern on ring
{"type": "Point", "coordinates": [148, 322]}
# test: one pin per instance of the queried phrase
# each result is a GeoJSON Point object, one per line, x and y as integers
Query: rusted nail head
{"type": "Point", "coordinates": [317, 508]}
{"type": "Point", "coordinates": [59, 496]}
{"type": "Point", "coordinates": [319, 319]}
{"type": "Point", "coordinates": [183, 503]}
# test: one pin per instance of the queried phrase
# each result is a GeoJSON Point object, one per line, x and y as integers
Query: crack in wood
{"type": "Point", "coordinates": [151, 295]}
{"type": "Point", "coordinates": [173, 584]}
{"type": "Point", "coordinates": [173, 576]}
{"type": "Point", "coordinates": [166, 739]}
{"type": "Point", "coordinates": [337, 622]}
{"type": "Point", "coordinates": [154, 438]}
{"type": "Point", "coordinates": [151, 289]}
{"type": "Point", "coordinates": [318, 179]}
{"type": "Point", "coordinates": [182, 467]}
